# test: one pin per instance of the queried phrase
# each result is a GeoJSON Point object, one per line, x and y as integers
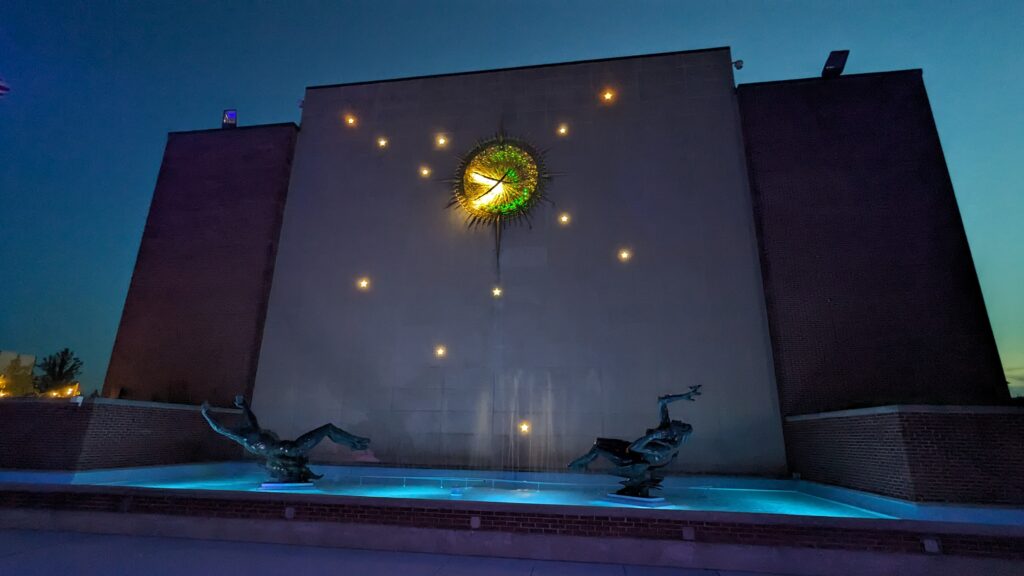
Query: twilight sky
{"type": "Point", "coordinates": [95, 86]}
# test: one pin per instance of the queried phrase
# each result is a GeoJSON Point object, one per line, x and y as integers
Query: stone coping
{"type": "Point", "coordinates": [83, 401]}
{"type": "Point", "coordinates": [881, 535]}
{"type": "Point", "coordinates": [908, 409]}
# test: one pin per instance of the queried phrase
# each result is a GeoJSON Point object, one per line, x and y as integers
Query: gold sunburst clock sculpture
{"type": "Point", "coordinates": [498, 183]}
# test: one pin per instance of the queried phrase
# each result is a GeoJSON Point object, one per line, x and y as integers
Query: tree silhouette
{"type": "Point", "coordinates": [59, 369]}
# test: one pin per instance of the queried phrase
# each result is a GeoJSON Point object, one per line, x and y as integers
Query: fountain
{"type": "Point", "coordinates": [640, 462]}
{"type": "Point", "coordinates": [285, 460]}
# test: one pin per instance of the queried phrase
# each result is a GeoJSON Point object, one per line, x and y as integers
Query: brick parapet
{"type": "Point", "coordinates": [890, 536]}
{"type": "Point", "coordinates": [931, 454]}
{"type": "Point", "coordinates": [61, 435]}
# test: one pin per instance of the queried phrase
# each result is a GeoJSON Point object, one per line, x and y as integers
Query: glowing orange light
{"type": "Point", "coordinates": [608, 95]}
{"type": "Point", "coordinates": [441, 140]}
{"type": "Point", "coordinates": [424, 171]}
{"type": "Point", "coordinates": [563, 129]}
{"type": "Point", "coordinates": [350, 120]}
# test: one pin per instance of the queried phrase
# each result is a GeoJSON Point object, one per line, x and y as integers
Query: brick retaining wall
{"type": "Point", "coordinates": [41, 434]}
{"type": "Point", "coordinates": [919, 453]}
{"type": "Point", "coordinates": [888, 536]}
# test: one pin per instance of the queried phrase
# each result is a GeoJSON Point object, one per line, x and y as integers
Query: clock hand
{"type": "Point", "coordinates": [497, 187]}
{"type": "Point", "coordinates": [492, 194]}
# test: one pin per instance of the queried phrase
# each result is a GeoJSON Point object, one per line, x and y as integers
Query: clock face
{"type": "Point", "coordinates": [499, 180]}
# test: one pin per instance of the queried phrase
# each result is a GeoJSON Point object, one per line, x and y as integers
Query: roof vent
{"type": "Point", "coordinates": [835, 64]}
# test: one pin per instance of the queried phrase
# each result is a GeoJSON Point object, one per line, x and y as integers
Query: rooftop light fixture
{"type": "Point", "coordinates": [835, 64]}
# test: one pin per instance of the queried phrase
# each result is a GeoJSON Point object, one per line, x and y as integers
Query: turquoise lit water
{"type": "Point", "coordinates": [704, 498]}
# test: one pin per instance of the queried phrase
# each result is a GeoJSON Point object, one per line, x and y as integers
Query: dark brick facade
{"type": "Point", "coordinates": [718, 528]}
{"type": "Point", "coordinates": [871, 292]}
{"type": "Point", "coordinates": [61, 435]}
{"type": "Point", "coordinates": [193, 319]}
{"type": "Point", "coordinates": [924, 454]}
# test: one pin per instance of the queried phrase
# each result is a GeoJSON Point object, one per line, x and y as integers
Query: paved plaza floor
{"type": "Point", "coordinates": [31, 553]}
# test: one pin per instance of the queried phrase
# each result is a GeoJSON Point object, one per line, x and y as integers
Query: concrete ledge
{"type": "Point", "coordinates": [80, 402]}
{"type": "Point", "coordinates": [679, 554]}
{"type": "Point", "coordinates": [159, 405]}
{"type": "Point", "coordinates": [906, 409]}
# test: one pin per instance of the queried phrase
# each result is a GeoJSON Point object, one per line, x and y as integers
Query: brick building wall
{"type": "Point", "coordinates": [193, 319]}
{"type": "Point", "coordinates": [871, 292]}
{"type": "Point", "coordinates": [62, 435]}
{"type": "Point", "coordinates": [918, 453]}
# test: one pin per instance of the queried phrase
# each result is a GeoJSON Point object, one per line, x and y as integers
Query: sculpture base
{"type": "Point", "coordinates": [650, 502]}
{"type": "Point", "coordinates": [286, 485]}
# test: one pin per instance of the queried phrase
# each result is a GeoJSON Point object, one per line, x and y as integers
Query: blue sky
{"type": "Point", "coordinates": [96, 86]}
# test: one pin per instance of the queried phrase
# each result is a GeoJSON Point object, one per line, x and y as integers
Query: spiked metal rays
{"type": "Point", "coordinates": [498, 183]}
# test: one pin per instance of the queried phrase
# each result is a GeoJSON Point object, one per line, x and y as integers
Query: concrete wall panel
{"type": "Point", "coordinates": [580, 344]}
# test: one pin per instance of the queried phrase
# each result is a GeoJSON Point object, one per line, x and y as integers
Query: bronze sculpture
{"type": "Point", "coordinates": [285, 460]}
{"type": "Point", "coordinates": [639, 461]}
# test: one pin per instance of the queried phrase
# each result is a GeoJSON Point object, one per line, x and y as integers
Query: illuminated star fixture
{"type": "Point", "coordinates": [524, 427]}
{"type": "Point", "coordinates": [496, 291]}
{"type": "Point", "coordinates": [564, 218]}
{"type": "Point", "coordinates": [440, 352]}
{"type": "Point", "coordinates": [625, 254]}
{"type": "Point", "coordinates": [424, 171]}
{"type": "Point", "coordinates": [363, 284]}
{"type": "Point", "coordinates": [350, 120]}
{"type": "Point", "coordinates": [441, 141]}
{"type": "Point", "coordinates": [563, 130]}
{"type": "Point", "coordinates": [608, 96]}
{"type": "Point", "coordinates": [382, 142]}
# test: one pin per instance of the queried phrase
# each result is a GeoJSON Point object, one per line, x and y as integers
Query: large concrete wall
{"type": "Point", "coordinates": [580, 344]}
{"type": "Point", "coordinates": [872, 294]}
{"type": "Point", "coordinates": [193, 319]}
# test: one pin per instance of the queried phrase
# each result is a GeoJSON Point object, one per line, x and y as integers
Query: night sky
{"type": "Point", "coordinates": [95, 87]}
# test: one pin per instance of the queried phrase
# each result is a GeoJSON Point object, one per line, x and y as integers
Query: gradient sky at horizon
{"type": "Point", "coordinates": [95, 87]}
